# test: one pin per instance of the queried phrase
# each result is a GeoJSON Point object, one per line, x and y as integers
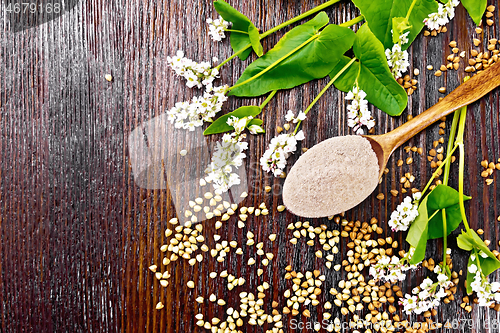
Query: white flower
{"type": "Point", "coordinates": [403, 39]}
{"type": "Point", "coordinates": [228, 154]}
{"type": "Point", "coordinates": [405, 213]}
{"type": "Point", "coordinates": [426, 283]}
{"type": "Point", "coordinates": [241, 124]}
{"type": "Point", "coordinates": [291, 117]}
{"type": "Point", "coordinates": [358, 114]}
{"type": "Point", "coordinates": [427, 296]}
{"type": "Point", "coordinates": [301, 116]}
{"type": "Point", "coordinates": [472, 269]}
{"type": "Point", "coordinates": [397, 59]}
{"type": "Point", "coordinates": [204, 108]}
{"type": "Point", "coordinates": [196, 74]}
{"type": "Point", "coordinates": [280, 148]}
{"type": "Point", "coordinates": [392, 269]}
{"type": "Point", "coordinates": [487, 293]}
{"type": "Point", "coordinates": [445, 13]}
{"type": "Point", "coordinates": [255, 129]}
{"type": "Point", "coordinates": [216, 28]}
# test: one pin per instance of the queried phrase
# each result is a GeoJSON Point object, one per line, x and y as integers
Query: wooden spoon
{"type": "Point", "coordinates": [467, 93]}
{"type": "Point", "coordinates": [318, 184]}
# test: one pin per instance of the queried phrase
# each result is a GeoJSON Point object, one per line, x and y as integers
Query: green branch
{"type": "Point", "coordinates": [274, 64]}
{"type": "Point", "coordinates": [287, 23]}
{"type": "Point", "coordinates": [298, 18]}
{"type": "Point", "coordinates": [271, 95]}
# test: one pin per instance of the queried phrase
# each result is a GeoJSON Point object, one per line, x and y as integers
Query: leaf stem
{"type": "Point", "coordinates": [237, 31]}
{"type": "Point", "coordinates": [287, 23]}
{"type": "Point", "coordinates": [324, 90]}
{"type": "Point", "coordinates": [451, 143]}
{"type": "Point", "coordinates": [446, 177]}
{"type": "Point", "coordinates": [298, 18]}
{"type": "Point", "coordinates": [274, 64]}
{"type": "Point", "coordinates": [352, 22]}
{"type": "Point", "coordinates": [411, 8]}
{"type": "Point", "coordinates": [461, 165]}
{"type": "Point", "coordinates": [271, 95]}
{"type": "Point", "coordinates": [435, 174]}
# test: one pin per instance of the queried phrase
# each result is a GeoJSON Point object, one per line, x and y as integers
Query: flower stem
{"type": "Point", "coordinates": [445, 236]}
{"type": "Point", "coordinates": [274, 64]}
{"type": "Point", "coordinates": [233, 56]}
{"type": "Point", "coordinates": [271, 95]}
{"type": "Point", "coordinates": [324, 90]}
{"type": "Point", "coordinates": [298, 18]}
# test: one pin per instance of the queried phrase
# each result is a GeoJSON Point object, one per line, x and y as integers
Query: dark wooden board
{"type": "Point", "coordinates": [77, 234]}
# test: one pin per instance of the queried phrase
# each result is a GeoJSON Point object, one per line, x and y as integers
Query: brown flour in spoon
{"type": "Point", "coordinates": [331, 177]}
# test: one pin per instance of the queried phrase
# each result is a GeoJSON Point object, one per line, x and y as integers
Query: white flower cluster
{"type": "Point", "coordinates": [405, 213]}
{"type": "Point", "coordinates": [358, 114]}
{"type": "Point", "coordinates": [392, 269]}
{"type": "Point", "coordinates": [228, 154]}
{"type": "Point", "coordinates": [403, 39]}
{"type": "Point", "coordinates": [216, 28]}
{"type": "Point", "coordinates": [487, 293]}
{"type": "Point", "coordinates": [397, 59]}
{"type": "Point", "coordinates": [428, 295]}
{"type": "Point", "coordinates": [290, 116]}
{"type": "Point", "coordinates": [445, 13]}
{"type": "Point", "coordinates": [191, 115]}
{"type": "Point", "coordinates": [274, 158]}
{"type": "Point", "coordinates": [196, 74]}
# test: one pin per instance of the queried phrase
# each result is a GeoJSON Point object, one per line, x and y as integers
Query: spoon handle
{"type": "Point", "coordinates": [468, 92]}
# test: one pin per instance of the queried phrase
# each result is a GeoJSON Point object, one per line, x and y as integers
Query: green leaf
{"type": "Point", "coordinates": [417, 235]}
{"type": "Point", "coordinates": [471, 240]}
{"type": "Point", "coordinates": [257, 122]}
{"type": "Point", "coordinates": [220, 125]}
{"type": "Point", "coordinates": [444, 197]}
{"type": "Point", "coordinates": [464, 242]}
{"type": "Point", "coordinates": [479, 244]}
{"type": "Point", "coordinates": [475, 8]}
{"type": "Point", "coordinates": [420, 249]}
{"type": "Point", "coordinates": [346, 81]}
{"type": "Point", "coordinates": [489, 265]}
{"type": "Point", "coordinates": [313, 61]}
{"type": "Point", "coordinates": [421, 10]}
{"type": "Point", "coordinates": [375, 77]}
{"type": "Point", "coordinates": [253, 34]}
{"type": "Point", "coordinates": [379, 15]}
{"type": "Point", "coordinates": [399, 27]}
{"type": "Point", "coordinates": [417, 229]}
{"type": "Point", "coordinates": [241, 23]}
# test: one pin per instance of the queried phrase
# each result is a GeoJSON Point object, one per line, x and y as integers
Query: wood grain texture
{"type": "Point", "coordinates": [77, 234]}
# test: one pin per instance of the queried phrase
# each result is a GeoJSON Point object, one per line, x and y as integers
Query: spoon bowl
{"type": "Point", "coordinates": [382, 145]}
